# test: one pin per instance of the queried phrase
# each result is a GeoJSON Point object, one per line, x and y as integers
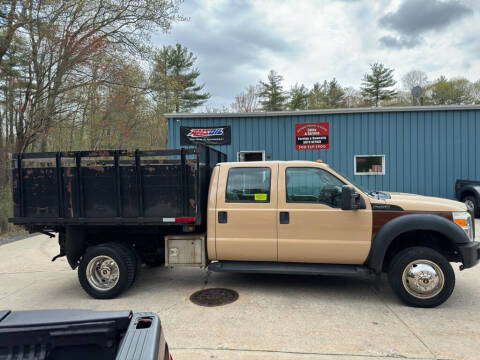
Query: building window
{"type": "Point", "coordinates": [248, 184]}
{"type": "Point", "coordinates": [310, 185]}
{"type": "Point", "coordinates": [251, 156]}
{"type": "Point", "coordinates": [369, 164]}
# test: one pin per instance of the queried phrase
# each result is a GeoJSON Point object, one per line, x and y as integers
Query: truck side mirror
{"type": "Point", "coordinates": [351, 200]}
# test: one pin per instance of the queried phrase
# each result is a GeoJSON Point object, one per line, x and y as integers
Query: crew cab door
{"type": "Point", "coordinates": [312, 226]}
{"type": "Point", "coordinates": [246, 213]}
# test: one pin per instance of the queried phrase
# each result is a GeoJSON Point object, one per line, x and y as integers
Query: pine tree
{"type": "Point", "coordinates": [327, 95]}
{"type": "Point", "coordinates": [174, 80]}
{"type": "Point", "coordinates": [375, 85]}
{"type": "Point", "coordinates": [335, 94]}
{"type": "Point", "coordinates": [317, 98]}
{"type": "Point", "coordinates": [272, 97]}
{"type": "Point", "coordinates": [298, 97]}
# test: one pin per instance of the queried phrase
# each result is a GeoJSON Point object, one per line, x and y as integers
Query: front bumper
{"type": "Point", "coordinates": [470, 253]}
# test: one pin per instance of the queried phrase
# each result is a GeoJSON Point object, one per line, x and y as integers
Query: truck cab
{"type": "Point", "coordinates": [303, 217]}
{"type": "Point", "coordinates": [288, 211]}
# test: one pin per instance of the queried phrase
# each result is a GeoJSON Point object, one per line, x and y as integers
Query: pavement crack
{"type": "Point", "coordinates": [166, 309]}
{"type": "Point", "coordinates": [17, 291]}
{"type": "Point", "coordinates": [372, 356]}
{"type": "Point", "coordinates": [405, 324]}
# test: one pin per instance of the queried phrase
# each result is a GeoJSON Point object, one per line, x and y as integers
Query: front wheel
{"type": "Point", "coordinates": [106, 270]}
{"type": "Point", "coordinates": [421, 277]}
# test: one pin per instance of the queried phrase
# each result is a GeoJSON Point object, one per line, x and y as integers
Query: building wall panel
{"type": "Point", "coordinates": [425, 151]}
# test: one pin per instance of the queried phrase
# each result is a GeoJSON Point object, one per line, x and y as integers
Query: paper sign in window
{"type": "Point", "coordinates": [260, 197]}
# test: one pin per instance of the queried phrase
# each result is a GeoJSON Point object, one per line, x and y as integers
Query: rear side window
{"type": "Point", "coordinates": [248, 184]}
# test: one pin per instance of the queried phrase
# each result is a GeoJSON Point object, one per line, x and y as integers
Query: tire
{"type": "Point", "coordinates": [472, 205]}
{"type": "Point", "coordinates": [422, 288]}
{"type": "Point", "coordinates": [138, 260]}
{"type": "Point", "coordinates": [106, 270]}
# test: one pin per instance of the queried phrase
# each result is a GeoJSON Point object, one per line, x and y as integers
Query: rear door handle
{"type": "Point", "coordinates": [284, 217]}
{"type": "Point", "coordinates": [222, 217]}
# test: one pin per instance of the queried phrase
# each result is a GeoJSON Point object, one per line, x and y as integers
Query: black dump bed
{"type": "Point", "coordinates": [81, 334]}
{"type": "Point", "coordinates": [157, 187]}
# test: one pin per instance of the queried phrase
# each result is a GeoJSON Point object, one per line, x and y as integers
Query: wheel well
{"type": "Point", "coordinates": [431, 239]}
{"type": "Point", "coordinates": [147, 242]}
{"type": "Point", "coordinates": [467, 193]}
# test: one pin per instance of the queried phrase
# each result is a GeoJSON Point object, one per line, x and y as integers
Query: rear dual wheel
{"type": "Point", "coordinates": [421, 277]}
{"type": "Point", "coordinates": [106, 270]}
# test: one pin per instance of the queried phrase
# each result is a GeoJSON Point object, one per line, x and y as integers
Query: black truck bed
{"type": "Point", "coordinates": [107, 187]}
{"type": "Point", "coordinates": [81, 334]}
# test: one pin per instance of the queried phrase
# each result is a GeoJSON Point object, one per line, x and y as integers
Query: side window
{"type": "Point", "coordinates": [313, 185]}
{"type": "Point", "coordinates": [369, 164]}
{"type": "Point", "coordinates": [248, 184]}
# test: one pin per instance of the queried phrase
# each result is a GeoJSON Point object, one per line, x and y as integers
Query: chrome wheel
{"type": "Point", "coordinates": [423, 279]}
{"type": "Point", "coordinates": [102, 273]}
{"type": "Point", "coordinates": [470, 205]}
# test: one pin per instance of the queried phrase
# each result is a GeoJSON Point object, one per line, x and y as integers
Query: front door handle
{"type": "Point", "coordinates": [284, 217]}
{"type": "Point", "coordinates": [222, 217]}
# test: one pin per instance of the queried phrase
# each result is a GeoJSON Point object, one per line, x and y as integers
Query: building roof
{"type": "Point", "coordinates": [323, 111]}
{"type": "Point", "coordinates": [318, 163]}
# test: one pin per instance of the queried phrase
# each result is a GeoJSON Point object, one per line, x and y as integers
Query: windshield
{"type": "Point", "coordinates": [356, 185]}
{"type": "Point", "coordinates": [379, 195]}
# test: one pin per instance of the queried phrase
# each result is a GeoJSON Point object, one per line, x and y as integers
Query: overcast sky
{"type": "Point", "coordinates": [238, 42]}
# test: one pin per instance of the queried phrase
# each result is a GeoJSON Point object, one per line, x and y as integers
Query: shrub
{"type": "Point", "coordinates": [5, 208]}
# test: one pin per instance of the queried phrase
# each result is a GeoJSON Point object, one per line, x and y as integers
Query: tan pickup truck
{"type": "Point", "coordinates": [280, 217]}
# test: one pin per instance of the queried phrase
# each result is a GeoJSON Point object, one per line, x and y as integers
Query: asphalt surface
{"type": "Point", "coordinates": [275, 317]}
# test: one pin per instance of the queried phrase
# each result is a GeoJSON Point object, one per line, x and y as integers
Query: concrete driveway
{"type": "Point", "coordinates": [275, 317]}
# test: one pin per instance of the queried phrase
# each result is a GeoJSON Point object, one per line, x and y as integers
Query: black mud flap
{"type": "Point", "coordinates": [61, 243]}
{"type": "Point", "coordinates": [74, 244]}
{"type": "Point", "coordinates": [378, 281]}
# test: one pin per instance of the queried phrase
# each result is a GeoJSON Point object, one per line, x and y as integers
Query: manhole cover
{"type": "Point", "coordinates": [214, 297]}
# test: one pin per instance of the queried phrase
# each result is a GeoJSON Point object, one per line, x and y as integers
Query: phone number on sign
{"type": "Point", "coordinates": [312, 147]}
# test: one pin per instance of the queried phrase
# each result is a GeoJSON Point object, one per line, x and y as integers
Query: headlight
{"type": "Point", "coordinates": [464, 220]}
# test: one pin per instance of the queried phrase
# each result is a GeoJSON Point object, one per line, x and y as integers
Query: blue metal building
{"type": "Point", "coordinates": [420, 150]}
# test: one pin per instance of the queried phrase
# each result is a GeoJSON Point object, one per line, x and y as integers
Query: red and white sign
{"type": "Point", "coordinates": [312, 136]}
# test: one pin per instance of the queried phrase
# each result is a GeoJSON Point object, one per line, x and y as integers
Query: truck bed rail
{"type": "Point", "coordinates": [106, 187]}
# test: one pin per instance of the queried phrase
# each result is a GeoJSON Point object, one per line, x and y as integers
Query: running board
{"type": "Point", "coordinates": [258, 267]}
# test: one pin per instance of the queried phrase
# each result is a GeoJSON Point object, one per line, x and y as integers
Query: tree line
{"type": "Point", "coordinates": [81, 74]}
{"type": "Point", "coordinates": [377, 89]}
